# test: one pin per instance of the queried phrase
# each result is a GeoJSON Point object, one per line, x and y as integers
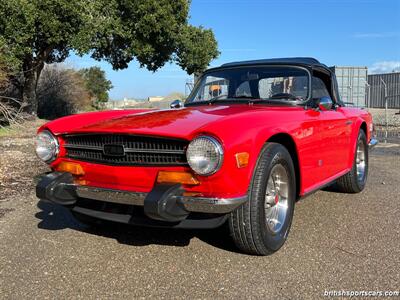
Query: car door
{"type": "Point", "coordinates": [334, 135]}
{"type": "Point", "coordinates": [334, 142]}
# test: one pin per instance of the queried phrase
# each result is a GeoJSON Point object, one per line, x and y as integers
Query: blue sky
{"type": "Point", "coordinates": [337, 32]}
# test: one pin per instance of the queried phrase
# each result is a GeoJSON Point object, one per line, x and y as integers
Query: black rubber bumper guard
{"type": "Point", "coordinates": [164, 203]}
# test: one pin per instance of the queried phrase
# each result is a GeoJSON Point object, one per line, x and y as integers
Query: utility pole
{"type": "Point", "coordinates": [368, 98]}
{"type": "Point", "coordinates": [386, 110]}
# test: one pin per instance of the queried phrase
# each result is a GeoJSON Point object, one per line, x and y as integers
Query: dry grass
{"type": "Point", "coordinates": [18, 161]}
{"type": "Point", "coordinates": [23, 129]}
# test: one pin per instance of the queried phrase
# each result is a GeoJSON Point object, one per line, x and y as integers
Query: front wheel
{"type": "Point", "coordinates": [261, 225]}
{"type": "Point", "coordinates": [355, 180]}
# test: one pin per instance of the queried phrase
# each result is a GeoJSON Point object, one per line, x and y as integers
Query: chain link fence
{"type": "Point", "coordinates": [383, 101]}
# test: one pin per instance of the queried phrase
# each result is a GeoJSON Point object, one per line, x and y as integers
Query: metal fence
{"type": "Point", "coordinates": [383, 95]}
{"type": "Point", "coordinates": [351, 84]}
{"type": "Point", "coordinates": [383, 99]}
{"type": "Point", "coordinates": [383, 90]}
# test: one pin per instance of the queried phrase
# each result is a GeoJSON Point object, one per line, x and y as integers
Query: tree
{"type": "Point", "coordinates": [97, 85]}
{"type": "Point", "coordinates": [10, 108]}
{"type": "Point", "coordinates": [61, 92]}
{"type": "Point", "coordinates": [153, 32]}
{"type": "Point", "coordinates": [3, 74]}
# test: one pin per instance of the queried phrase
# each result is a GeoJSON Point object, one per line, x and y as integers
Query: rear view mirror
{"type": "Point", "coordinates": [176, 104]}
{"type": "Point", "coordinates": [325, 103]}
{"type": "Point", "coordinates": [249, 77]}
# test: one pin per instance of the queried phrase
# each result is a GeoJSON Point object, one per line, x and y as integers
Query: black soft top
{"type": "Point", "coordinates": [297, 61]}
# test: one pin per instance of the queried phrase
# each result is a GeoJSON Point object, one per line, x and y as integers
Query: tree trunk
{"type": "Point", "coordinates": [31, 76]}
{"type": "Point", "coordinates": [29, 93]}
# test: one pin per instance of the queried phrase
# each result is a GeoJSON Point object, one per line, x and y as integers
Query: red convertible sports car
{"type": "Point", "coordinates": [251, 139]}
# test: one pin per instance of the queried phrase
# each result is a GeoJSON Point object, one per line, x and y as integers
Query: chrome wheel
{"type": "Point", "coordinates": [360, 161]}
{"type": "Point", "coordinates": [276, 198]}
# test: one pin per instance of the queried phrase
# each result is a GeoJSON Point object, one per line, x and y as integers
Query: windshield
{"type": "Point", "coordinates": [258, 83]}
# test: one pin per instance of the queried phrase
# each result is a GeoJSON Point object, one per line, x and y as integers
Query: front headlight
{"type": "Point", "coordinates": [46, 146]}
{"type": "Point", "coordinates": [204, 155]}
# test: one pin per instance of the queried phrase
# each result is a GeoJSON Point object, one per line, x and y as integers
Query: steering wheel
{"type": "Point", "coordinates": [218, 97]}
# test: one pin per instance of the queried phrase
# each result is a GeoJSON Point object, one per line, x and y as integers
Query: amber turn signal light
{"type": "Point", "coordinates": [81, 181]}
{"type": "Point", "coordinates": [242, 159]}
{"type": "Point", "coordinates": [177, 177]}
{"type": "Point", "coordinates": [70, 167]}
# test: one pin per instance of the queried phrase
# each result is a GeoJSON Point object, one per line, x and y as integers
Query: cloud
{"type": "Point", "coordinates": [384, 67]}
{"type": "Point", "coordinates": [375, 35]}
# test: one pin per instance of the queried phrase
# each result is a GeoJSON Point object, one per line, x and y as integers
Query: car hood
{"type": "Point", "coordinates": [182, 123]}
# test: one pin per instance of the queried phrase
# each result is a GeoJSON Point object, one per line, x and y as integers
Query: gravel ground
{"type": "Point", "coordinates": [337, 242]}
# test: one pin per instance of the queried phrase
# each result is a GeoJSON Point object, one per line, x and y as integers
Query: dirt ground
{"type": "Point", "coordinates": [337, 242]}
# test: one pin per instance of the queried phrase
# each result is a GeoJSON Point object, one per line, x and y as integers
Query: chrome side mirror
{"type": "Point", "coordinates": [325, 103]}
{"type": "Point", "coordinates": [176, 104]}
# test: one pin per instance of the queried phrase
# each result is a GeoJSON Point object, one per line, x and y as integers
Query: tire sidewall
{"type": "Point", "coordinates": [363, 138]}
{"type": "Point", "coordinates": [278, 155]}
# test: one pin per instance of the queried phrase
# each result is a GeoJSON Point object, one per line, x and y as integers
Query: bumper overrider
{"type": "Point", "coordinates": [165, 204]}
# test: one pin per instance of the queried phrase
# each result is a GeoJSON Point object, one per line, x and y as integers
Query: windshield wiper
{"type": "Point", "coordinates": [218, 98]}
{"type": "Point", "coordinates": [252, 99]}
{"type": "Point", "coordinates": [244, 97]}
{"type": "Point", "coordinates": [249, 99]}
{"type": "Point", "coordinates": [285, 96]}
{"type": "Point", "coordinates": [274, 100]}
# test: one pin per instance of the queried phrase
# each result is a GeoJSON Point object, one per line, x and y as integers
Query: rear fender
{"type": "Point", "coordinates": [354, 137]}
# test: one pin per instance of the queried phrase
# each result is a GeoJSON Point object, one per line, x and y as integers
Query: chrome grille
{"type": "Point", "coordinates": [138, 150]}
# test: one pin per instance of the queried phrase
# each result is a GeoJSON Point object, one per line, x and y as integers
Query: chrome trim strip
{"type": "Point", "coordinates": [192, 204]}
{"type": "Point", "coordinates": [55, 141]}
{"type": "Point", "coordinates": [127, 150]}
{"type": "Point", "coordinates": [210, 205]}
{"type": "Point", "coordinates": [372, 143]}
{"type": "Point", "coordinates": [109, 195]}
{"type": "Point", "coordinates": [219, 148]}
{"type": "Point", "coordinates": [135, 150]}
{"type": "Point", "coordinates": [70, 146]}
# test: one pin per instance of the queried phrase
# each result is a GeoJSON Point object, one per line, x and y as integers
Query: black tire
{"type": "Point", "coordinates": [248, 224]}
{"type": "Point", "coordinates": [352, 182]}
{"type": "Point", "coordinates": [87, 220]}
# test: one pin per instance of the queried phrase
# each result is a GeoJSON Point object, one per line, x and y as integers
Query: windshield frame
{"type": "Point", "coordinates": [246, 100]}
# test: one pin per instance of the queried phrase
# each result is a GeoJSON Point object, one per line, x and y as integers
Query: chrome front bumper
{"type": "Point", "coordinates": [165, 202]}
{"type": "Point", "coordinates": [191, 204]}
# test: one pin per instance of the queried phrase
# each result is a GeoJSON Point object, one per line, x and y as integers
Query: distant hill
{"type": "Point", "coordinates": [145, 103]}
{"type": "Point", "coordinates": [162, 104]}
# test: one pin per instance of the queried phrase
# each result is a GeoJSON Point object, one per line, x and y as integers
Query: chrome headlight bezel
{"type": "Point", "coordinates": [215, 146]}
{"type": "Point", "coordinates": [47, 141]}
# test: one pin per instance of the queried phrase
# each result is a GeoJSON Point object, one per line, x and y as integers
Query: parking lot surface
{"type": "Point", "coordinates": [337, 242]}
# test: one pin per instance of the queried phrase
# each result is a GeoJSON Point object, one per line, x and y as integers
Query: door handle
{"type": "Point", "coordinates": [349, 122]}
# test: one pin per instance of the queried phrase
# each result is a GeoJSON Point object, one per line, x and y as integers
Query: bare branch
{"type": "Point", "coordinates": [10, 107]}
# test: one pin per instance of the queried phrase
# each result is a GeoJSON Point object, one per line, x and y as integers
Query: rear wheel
{"type": "Point", "coordinates": [355, 180]}
{"type": "Point", "coordinates": [261, 225]}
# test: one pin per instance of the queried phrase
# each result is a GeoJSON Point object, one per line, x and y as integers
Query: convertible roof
{"type": "Point", "coordinates": [299, 61]}
{"type": "Point", "coordinates": [308, 62]}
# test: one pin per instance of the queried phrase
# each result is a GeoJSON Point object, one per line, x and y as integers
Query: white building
{"type": "Point", "coordinates": [155, 98]}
